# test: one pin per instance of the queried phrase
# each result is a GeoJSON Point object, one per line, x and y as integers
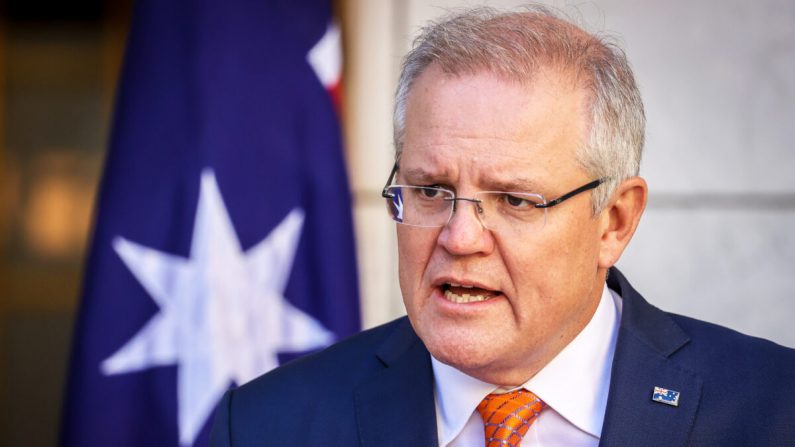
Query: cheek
{"type": "Point", "coordinates": [574, 235]}
{"type": "Point", "coordinates": [561, 257]}
{"type": "Point", "coordinates": [415, 247]}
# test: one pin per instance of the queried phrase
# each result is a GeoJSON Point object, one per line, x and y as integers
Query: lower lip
{"type": "Point", "coordinates": [471, 307]}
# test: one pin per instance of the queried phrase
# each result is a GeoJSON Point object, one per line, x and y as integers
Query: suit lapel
{"type": "Point", "coordinates": [395, 406]}
{"type": "Point", "coordinates": [647, 340]}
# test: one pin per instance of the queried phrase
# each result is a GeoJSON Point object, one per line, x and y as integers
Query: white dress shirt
{"type": "Point", "coordinates": [574, 385]}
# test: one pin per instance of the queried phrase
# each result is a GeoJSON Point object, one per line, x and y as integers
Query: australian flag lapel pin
{"type": "Point", "coordinates": [665, 396]}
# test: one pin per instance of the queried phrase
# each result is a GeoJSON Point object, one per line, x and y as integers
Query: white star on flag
{"type": "Point", "coordinates": [399, 207]}
{"type": "Point", "coordinates": [223, 316]}
{"type": "Point", "coordinates": [326, 57]}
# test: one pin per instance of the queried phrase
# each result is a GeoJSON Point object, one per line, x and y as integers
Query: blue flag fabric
{"type": "Point", "coordinates": [223, 242]}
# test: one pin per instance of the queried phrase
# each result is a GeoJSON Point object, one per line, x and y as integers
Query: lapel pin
{"type": "Point", "coordinates": [665, 396]}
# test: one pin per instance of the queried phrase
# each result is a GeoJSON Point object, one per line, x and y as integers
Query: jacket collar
{"type": "Point", "coordinates": [395, 405]}
{"type": "Point", "coordinates": [648, 341]}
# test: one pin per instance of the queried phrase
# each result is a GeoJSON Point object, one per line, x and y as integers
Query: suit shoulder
{"type": "Point", "coordinates": [727, 340]}
{"type": "Point", "coordinates": [338, 365]}
{"type": "Point", "coordinates": [726, 353]}
{"type": "Point", "coordinates": [311, 396]}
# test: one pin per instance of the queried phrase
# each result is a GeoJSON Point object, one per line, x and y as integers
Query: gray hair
{"type": "Point", "coordinates": [516, 45]}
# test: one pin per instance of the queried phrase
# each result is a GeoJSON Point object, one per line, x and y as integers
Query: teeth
{"type": "Point", "coordinates": [465, 298]}
{"type": "Point", "coordinates": [452, 284]}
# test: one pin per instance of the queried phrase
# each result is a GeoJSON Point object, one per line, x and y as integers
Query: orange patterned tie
{"type": "Point", "coordinates": [507, 417]}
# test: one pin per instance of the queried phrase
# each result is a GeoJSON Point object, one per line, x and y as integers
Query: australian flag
{"type": "Point", "coordinates": [223, 241]}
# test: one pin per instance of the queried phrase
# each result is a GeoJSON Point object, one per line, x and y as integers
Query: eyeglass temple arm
{"type": "Point", "coordinates": [385, 194]}
{"type": "Point", "coordinates": [571, 194]}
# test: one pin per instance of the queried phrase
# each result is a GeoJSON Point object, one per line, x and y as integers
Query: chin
{"type": "Point", "coordinates": [459, 351]}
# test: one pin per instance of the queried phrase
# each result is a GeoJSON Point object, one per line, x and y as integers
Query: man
{"type": "Point", "coordinates": [518, 140]}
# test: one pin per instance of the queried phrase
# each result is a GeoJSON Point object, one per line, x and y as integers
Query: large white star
{"type": "Point", "coordinates": [223, 316]}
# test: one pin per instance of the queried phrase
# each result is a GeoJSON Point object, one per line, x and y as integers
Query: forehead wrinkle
{"type": "Point", "coordinates": [438, 139]}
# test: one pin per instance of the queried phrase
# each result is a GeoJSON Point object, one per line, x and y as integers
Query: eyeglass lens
{"type": "Point", "coordinates": [433, 207]}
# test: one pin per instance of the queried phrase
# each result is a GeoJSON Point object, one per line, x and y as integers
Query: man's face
{"type": "Point", "coordinates": [472, 133]}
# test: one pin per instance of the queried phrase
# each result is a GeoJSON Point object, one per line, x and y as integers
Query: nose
{"type": "Point", "coordinates": [465, 233]}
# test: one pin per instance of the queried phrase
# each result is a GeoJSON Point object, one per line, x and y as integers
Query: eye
{"type": "Point", "coordinates": [430, 192]}
{"type": "Point", "coordinates": [516, 201]}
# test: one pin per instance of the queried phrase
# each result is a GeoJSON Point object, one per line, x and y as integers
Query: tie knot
{"type": "Point", "coordinates": [507, 417]}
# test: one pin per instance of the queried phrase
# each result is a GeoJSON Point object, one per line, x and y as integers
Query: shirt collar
{"type": "Point", "coordinates": [575, 383]}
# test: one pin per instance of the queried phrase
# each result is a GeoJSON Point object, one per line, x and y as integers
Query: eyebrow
{"type": "Point", "coordinates": [516, 185]}
{"type": "Point", "coordinates": [420, 175]}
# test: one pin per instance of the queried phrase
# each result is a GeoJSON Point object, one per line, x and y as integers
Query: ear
{"type": "Point", "coordinates": [621, 218]}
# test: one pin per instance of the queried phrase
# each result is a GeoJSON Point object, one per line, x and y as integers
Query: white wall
{"type": "Point", "coordinates": [717, 241]}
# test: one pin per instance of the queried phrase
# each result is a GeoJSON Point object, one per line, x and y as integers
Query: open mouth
{"type": "Point", "coordinates": [461, 293]}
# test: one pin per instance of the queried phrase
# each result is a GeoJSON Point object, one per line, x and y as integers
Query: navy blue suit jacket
{"type": "Point", "coordinates": [376, 389]}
